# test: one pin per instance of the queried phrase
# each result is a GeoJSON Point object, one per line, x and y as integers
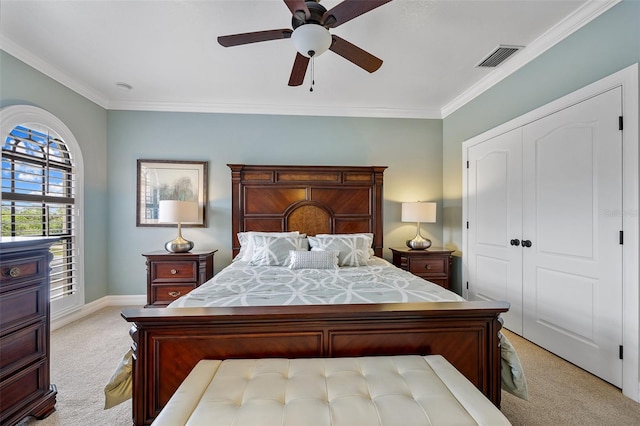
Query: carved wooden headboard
{"type": "Point", "coordinates": [310, 199]}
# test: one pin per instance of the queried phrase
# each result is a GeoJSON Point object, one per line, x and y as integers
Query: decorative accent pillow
{"type": "Point", "coordinates": [364, 234]}
{"type": "Point", "coordinates": [274, 251]}
{"type": "Point", "coordinates": [246, 244]}
{"type": "Point", "coordinates": [353, 249]}
{"type": "Point", "coordinates": [313, 259]}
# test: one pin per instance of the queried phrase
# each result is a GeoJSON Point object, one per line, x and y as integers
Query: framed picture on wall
{"type": "Point", "coordinates": [170, 180]}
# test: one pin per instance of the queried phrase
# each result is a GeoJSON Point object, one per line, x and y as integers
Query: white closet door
{"type": "Point", "coordinates": [572, 272]}
{"type": "Point", "coordinates": [494, 202]}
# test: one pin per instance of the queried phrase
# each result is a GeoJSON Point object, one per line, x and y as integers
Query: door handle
{"type": "Point", "coordinates": [526, 243]}
{"type": "Point", "coordinates": [515, 242]}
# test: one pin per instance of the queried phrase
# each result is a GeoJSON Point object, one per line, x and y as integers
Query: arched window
{"type": "Point", "coordinates": [41, 188]}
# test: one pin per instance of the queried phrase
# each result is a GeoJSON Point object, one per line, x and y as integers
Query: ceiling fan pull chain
{"type": "Point", "coordinates": [313, 79]}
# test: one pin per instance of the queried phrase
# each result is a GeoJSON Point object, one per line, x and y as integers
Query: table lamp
{"type": "Point", "coordinates": [176, 211]}
{"type": "Point", "coordinates": [419, 212]}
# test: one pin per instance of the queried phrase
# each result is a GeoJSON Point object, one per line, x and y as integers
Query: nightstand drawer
{"type": "Point", "coordinates": [428, 266]}
{"type": "Point", "coordinates": [432, 265]}
{"type": "Point", "coordinates": [176, 271]}
{"type": "Point", "coordinates": [165, 294]}
{"type": "Point", "coordinates": [171, 275]}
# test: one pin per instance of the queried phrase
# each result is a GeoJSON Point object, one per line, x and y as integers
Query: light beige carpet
{"type": "Point", "coordinates": [85, 353]}
{"type": "Point", "coordinates": [562, 394]}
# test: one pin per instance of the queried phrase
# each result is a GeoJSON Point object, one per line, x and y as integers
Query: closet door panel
{"type": "Point", "coordinates": [494, 197]}
{"type": "Point", "coordinates": [572, 273]}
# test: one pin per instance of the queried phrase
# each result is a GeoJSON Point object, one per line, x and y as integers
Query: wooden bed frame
{"type": "Point", "coordinates": [168, 343]}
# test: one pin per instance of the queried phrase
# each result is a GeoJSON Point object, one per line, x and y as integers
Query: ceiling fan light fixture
{"type": "Point", "coordinates": [311, 40]}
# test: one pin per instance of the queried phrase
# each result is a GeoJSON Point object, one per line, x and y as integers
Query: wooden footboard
{"type": "Point", "coordinates": [168, 343]}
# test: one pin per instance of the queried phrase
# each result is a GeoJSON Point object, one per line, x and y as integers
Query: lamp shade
{"type": "Point", "coordinates": [311, 39]}
{"type": "Point", "coordinates": [176, 211]}
{"type": "Point", "coordinates": [419, 212]}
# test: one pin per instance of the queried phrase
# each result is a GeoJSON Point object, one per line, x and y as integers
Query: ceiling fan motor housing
{"type": "Point", "coordinates": [316, 12]}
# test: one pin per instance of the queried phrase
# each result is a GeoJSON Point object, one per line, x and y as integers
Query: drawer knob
{"type": "Point", "coordinates": [428, 266]}
{"type": "Point", "coordinates": [14, 272]}
{"type": "Point", "coordinates": [174, 293]}
{"type": "Point", "coordinates": [174, 271]}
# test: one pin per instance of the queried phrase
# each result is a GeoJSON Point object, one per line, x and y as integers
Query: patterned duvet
{"type": "Point", "coordinates": [379, 282]}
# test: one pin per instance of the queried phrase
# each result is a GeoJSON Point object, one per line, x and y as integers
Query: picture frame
{"type": "Point", "coordinates": [170, 180]}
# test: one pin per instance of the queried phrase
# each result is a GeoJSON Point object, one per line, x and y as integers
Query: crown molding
{"type": "Point", "coordinates": [267, 109]}
{"type": "Point", "coordinates": [579, 18]}
{"type": "Point", "coordinates": [275, 109]}
{"type": "Point", "coordinates": [50, 71]}
{"type": "Point", "coordinates": [585, 14]}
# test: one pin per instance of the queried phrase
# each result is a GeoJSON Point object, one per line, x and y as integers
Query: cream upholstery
{"type": "Point", "coordinates": [386, 390]}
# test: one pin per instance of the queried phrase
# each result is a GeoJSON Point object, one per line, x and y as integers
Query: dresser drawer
{"type": "Point", "coordinates": [21, 270]}
{"type": "Point", "coordinates": [22, 388]}
{"type": "Point", "coordinates": [428, 266]}
{"type": "Point", "coordinates": [21, 306]}
{"type": "Point", "coordinates": [22, 348]}
{"type": "Point", "coordinates": [165, 294]}
{"type": "Point", "coordinates": [25, 388]}
{"type": "Point", "coordinates": [175, 271]}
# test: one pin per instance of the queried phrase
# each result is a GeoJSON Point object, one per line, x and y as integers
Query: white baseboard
{"type": "Point", "coordinates": [96, 305]}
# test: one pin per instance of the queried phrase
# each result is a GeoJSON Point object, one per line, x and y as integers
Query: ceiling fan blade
{"type": "Point", "coordinates": [254, 37]}
{"type": "Point", "coordinates": [347, 10]}
{"type": "Point", "coordinates": [299, 70]}
{"type": "Point", "coordinates": [298, 6]}
{"type": "Point", "coordinates": [353, 53]}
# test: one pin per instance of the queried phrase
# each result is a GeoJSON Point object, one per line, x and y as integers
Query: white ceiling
{"type": "Point", "coordinates": [168, 52]}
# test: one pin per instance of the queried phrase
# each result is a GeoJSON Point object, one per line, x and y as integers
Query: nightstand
{"type": "Point", "coordinates": [432, 264]}
{"type": "Point", "coordinates": [171, 275]}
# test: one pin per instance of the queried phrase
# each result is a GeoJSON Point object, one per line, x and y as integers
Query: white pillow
{"type": "Point", "coordinates": [313, 259]}
{"type": "Point", "coordinates": [246, 247]}
{"type": "Point", "coordinates": [274, 251]}
{"type": "Point", "coordinates": [353, 249]}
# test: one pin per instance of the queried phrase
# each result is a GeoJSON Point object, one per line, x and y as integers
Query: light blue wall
{"type": "Point", "coordinates": [412, 150]}
{"type": "Point", "coordinates": [424, 156]}
{"type": "Point", "coordinates": [111, 142]}
{"type": "Point", "coordinates": [22, 85]}
{"type": "Point", "coordinates": [604, 46]}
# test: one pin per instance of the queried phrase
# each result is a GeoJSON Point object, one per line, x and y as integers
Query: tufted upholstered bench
{"type": "Point", "coordinates": [386, 390]}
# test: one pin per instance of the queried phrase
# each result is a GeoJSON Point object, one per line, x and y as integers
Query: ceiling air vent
{"type": "Point", "coordinates": [498, 56]}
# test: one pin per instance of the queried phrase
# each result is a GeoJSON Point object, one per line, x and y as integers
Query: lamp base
{"type": "Point", "coordinates": [179, 245]}
{"type": "Point", "coordinates": [419, 243]}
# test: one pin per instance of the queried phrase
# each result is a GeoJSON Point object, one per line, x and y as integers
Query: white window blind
{"type": "Point", "coordinates": [38, 199]}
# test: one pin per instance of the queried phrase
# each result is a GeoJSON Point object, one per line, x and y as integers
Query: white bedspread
{"type": "Point", "coordinates": [379, 282]}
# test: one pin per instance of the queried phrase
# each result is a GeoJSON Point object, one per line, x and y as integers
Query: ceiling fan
{"type": "Point", "coordinates": [310, 34]}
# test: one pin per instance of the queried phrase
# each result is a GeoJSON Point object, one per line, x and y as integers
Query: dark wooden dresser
{"type": "Point", "coordinates": [25, 388]}
{"type": "Point", "coordinates": [432, 264]}
{"type": "Point", "coordinates": [171, 275]}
